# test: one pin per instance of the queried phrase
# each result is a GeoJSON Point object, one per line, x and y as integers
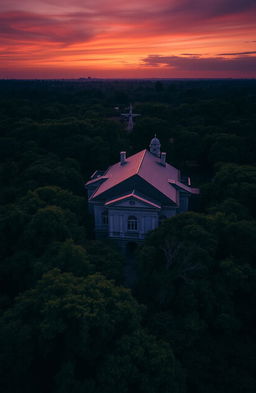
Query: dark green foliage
{"type": "Point", "coordinates": [12, 221]}
{"type": "Point", "coordinates": [106, 259]}
{"type": "Point", "coordinates": [197, 276]}
{"type": "Point", "coordinates": [184, 247]}
{"type": "Point", "coordinates": [237, 182]}
{"type": "Point", "coordinates": [75, 334]}
{"type": "Point", "coordinates": [65, 325]}
{"type": "Point", "coordinates": [152, 368]}
{"type": "Point", "coordinates": [66, 256]}
{"type": "Point", "coordinates": [47, 225]}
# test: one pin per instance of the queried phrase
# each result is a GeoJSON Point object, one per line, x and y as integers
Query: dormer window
{"type": "Point", "coordinates": [132, 223]}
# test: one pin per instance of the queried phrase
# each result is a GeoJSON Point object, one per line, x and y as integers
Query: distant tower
{"type": "Point", "coordinates": [130, 117]}
{"type": "Point", "coordinates": [130, 120]}
{"type": "Point", "coordinates": [155, 146]}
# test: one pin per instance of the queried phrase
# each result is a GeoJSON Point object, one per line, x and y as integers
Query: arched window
{"type": "Point", "coordinates": [132, 223]}
{"type": "Point", "coordinates": [104, 217]}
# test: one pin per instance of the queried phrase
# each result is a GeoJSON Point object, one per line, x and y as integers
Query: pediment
{"type": "Point", "coordinates": [132, 201]}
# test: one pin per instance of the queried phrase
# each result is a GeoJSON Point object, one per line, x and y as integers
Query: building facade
{"type": "Point", "coordinates": [133, 196]}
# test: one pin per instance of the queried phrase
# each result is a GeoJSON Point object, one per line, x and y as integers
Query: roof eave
{"type": "Point", "coordinates": [183, 187]}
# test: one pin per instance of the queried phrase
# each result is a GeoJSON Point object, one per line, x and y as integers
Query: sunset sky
{"type": "Point", "coordinates": [127, 39]}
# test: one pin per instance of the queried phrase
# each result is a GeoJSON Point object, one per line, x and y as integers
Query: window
{"type": "Point", "coordinates": [132, 223]}
{"type": "Point", "coordinates": [104, 217]}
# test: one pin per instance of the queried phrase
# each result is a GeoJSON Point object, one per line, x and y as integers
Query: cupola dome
{"type": "Point", "coordinates": [155, 146]}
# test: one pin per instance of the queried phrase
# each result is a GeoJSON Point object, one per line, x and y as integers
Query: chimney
{"type": "Point", "coordinates": [122, 157]}
{"type": "Point", "coordinates": [163, 159]}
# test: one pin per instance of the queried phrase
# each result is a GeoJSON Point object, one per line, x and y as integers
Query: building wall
{"type": "Point", "coordinates": [117, 227]}
{"type": "Point", "coordinates": [98, 211]}
{"type": "Point", "coordinates": [168, 212]}
{"type": "Point", "coordinates": [183, 207]}
{"type": "Point", "coordinates": [147, 220]}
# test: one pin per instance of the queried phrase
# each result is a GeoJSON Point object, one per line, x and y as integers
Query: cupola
{"type": "Point", "coordinates": [155, 146]}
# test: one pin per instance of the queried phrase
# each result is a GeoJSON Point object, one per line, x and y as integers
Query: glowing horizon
{"type": "Point", "coordinates": [118, 39]}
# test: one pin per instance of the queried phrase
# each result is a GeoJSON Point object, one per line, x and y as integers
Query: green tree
{"type": "Point", "coordinates": [12, 223]}
{"type": "Point", "coordinates": [66, 256]}
{"type": "Point", "coordinates": [197, 275]}
{"type": "Point", "coordinates": [66, 333]}
{"type": "Point", "coordinates": [106, 259]}
{"type": "Point", "coordinates": [182, 247]}
{"type": "Point", "coordinates": [47, 225]}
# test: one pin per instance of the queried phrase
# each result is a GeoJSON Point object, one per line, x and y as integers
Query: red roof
{"type": "Point", "coordinates": [145, 165]}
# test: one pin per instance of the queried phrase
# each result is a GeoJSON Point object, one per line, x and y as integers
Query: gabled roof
{"type": "Point", "coordinates": [145, 165]}
{"type": "Point", "coordinates": [131, 196]}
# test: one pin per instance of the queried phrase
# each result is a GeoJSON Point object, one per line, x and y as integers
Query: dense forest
{"type": "Point", "coordinates": [68, 324]}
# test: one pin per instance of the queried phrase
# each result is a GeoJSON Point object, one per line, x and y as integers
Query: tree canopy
{"type": "Point", "coordinates": [67, 323]}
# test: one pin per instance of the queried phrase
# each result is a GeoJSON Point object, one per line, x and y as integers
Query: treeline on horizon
{"type": "Point", "coordinates": [67, 323]}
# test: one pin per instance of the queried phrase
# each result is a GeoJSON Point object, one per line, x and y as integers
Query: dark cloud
{"type": "Point", "coordinates": [22, 26]}
{"type": "Point", "coordinates": [237, 53]}
{"type": "Point", "coordinates": [245, 64]}
{"type": "Point", "coordinates": [179, 12]}
{"type": "Point", "coordinates": [90, 18]}
{"type": "Point", "coordinates": [213, 8]}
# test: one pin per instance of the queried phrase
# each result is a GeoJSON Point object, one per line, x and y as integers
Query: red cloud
{"type": "Point", "coordinates": [59, 31]}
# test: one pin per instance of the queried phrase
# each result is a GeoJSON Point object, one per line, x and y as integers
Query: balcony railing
{"type": "Point", "coordinates": [127, 235]}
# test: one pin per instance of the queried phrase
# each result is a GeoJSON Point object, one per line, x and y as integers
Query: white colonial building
{"type": "Point", "coordinates": [134, 195]}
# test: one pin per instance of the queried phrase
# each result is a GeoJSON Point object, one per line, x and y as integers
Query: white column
{"type": "Point", "coordinates": [143, 225]}
{"type": "Point", "coordinates": [141, 228]}
{"type": "Point", "coordinates": [110, 225]}
{"type": "Point", "coordinates": [121, 226]}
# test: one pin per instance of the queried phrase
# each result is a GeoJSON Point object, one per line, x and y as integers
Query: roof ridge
{"type": "Point", "coordinates": [137, 172]}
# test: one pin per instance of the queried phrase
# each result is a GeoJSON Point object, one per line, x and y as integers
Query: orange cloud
{"type": "Point", "coordinates": [119, 38]}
